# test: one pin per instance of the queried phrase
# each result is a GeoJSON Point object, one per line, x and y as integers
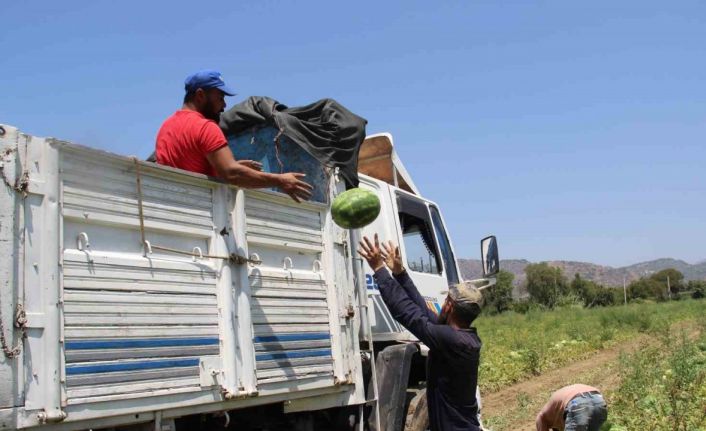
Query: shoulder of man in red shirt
{"type": "Point", "coordinates": [185, 139]}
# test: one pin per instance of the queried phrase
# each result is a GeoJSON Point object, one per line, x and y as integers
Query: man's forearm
{"type": "Point", "coordinates": [243, 176]}
{"type": "Point", "coordinates": [407, 284]}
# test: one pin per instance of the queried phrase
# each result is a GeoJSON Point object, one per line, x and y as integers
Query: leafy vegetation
{"type": "Point", "coordinates": [545, 284]}
{"type": "Point", "coordinates": [663, 387]}
{"type": "Point", "coordinates": [499, 298]}
{"type": "Point", "coordinates": [696, 288]}
{"type": "Point", "coordinates": [548, 288]}
{"type": "Point", "coordinates": [518, 346]}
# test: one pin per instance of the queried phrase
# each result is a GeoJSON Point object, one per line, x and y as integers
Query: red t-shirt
{"type": "Point", "coordinates": [184, 140]}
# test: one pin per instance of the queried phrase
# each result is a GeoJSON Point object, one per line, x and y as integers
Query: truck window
{"type": "Point", "coordinates": [445, 247]}
{"type": "Point", "coordinates": [419, 245]}
{"type": "Point", "coordinates": [285, 156]}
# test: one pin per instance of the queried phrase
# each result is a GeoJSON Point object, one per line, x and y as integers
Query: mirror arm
{"type": "Point", "coordinates": [490, 281]}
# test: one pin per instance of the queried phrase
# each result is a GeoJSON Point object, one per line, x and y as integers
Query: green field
{"type": "Point", "coordinates": [517, 347]}
{"type": "Point", "coordinates": [663, 384]}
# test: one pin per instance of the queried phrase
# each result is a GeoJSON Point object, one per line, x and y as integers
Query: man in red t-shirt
{"type": "Point", "coordinates": [191, 140]}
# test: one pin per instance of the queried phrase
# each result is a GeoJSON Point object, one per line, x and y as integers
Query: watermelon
{"type": "Point", "coordinates": [355, 208]}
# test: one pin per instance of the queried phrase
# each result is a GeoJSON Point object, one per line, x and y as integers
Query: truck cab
{"type": "Point", "coordinates": [411, 221]}
{"type": "Point", "coordinates": [416, 225]}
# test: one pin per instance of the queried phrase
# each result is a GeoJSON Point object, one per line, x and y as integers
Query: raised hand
{"type": "Point", "coordinates": [393, 259]}
{"type": "Point", "coordinates": [297, 189]}
{"type": "Point", "coordinates": [371, 252]}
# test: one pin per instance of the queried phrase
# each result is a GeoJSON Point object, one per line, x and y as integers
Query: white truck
{"type": "Point", "coordinates": [138, 296]}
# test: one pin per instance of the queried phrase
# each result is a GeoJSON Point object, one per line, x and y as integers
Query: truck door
{"type": "Point", "coordinates": [447, 255]}
{"type": "Point", "coordinates": [425, 248]}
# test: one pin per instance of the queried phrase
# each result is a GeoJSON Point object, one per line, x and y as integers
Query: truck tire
{"type": "Point", "coordinates": [417, 413]}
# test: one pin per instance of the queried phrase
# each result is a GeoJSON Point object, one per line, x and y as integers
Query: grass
{"type": "Point", "coordinates": [517, 347]}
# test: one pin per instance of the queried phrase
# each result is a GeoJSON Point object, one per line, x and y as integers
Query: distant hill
{"type": "Point", "coordinates": [606, 275]}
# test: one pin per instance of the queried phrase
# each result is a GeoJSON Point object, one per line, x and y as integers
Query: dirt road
{"type": "Point", "coordinates": [514, 408]}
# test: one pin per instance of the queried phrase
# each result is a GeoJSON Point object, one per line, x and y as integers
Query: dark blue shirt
{"type": "Point", "coordinates": [452, 365]}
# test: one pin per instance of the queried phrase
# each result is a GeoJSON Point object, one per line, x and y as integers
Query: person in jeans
{"type": "Point", "coordinates": [454, 346]}
{"type": "Point", "coordinates": [573, 408]}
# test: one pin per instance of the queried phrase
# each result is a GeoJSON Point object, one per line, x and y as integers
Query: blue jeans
{"type": "Point", "coordinates": [585, 412]}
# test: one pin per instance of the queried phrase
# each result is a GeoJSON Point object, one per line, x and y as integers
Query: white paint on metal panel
{"type": "Point", "coordinates": [291, 345]}
{"type": "Point", "coordinates": [247, 380]}
{"type": "Point", "coordinates": [128, 298]}
{"type": "Point", "coordinates": [130, 376]}
{"type": "Point", "coordinates": [172, 388]}
{"type": "Point", "coordinates": [73, 356]}
{"type": "Point", "coordinates": [12, 151]}
{"type": "Point", "coordinates": [280, 224]}
{"type": "Point", "coordinates": [291, 297]}
{"type": "Point", "coordinates": [116, 295]}
{"type": "Point", "coordinates": [285, 374]}
{"type": "Point", "coordinates": [302, 384]}
{"type": "Point", "coordinates": [172, 299]}
{"type": "Point", "coordinates": [273, 329]}
{"type": "Point", "coordinates": [113, 389]}
{"type": "Point", "coordinates": [41, 287]}
{"type": "Point", "coordinates": [160, 331]}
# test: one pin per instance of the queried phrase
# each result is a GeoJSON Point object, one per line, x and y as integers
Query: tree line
{"type": "Point", "coordinates": [548, 287]}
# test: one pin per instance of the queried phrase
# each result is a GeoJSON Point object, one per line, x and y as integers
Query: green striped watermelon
{"type": "Point", "coordinates": [355, 208]}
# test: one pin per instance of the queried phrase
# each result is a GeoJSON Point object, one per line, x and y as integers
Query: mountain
{"type": "Point", "coordinates": [606, 275]}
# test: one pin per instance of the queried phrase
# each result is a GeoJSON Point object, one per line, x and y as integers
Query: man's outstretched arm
{"type": "Point", "coordinates": [393, 259]}
{"type": "Point", "coordinates": [410, 289]}
{"type": "Point", "coordinates": [403, 309]}
{"type": "Point", "coordinates": [411, 315]}
{"type": "Point", "coordinates": [247, 175]}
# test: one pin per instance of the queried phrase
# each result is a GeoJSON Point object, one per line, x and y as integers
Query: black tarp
{"type": "Point", "coordinates": [325, 129]}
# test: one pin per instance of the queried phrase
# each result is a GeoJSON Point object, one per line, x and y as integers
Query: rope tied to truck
{"type": "Point", "coordinates": [21, 324]}
{"type": "Point", "coordinates": [21, 182]}
{"type": "Point", "coordinates": [231, 258]}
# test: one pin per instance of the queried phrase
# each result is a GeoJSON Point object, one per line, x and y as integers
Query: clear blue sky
{"type": "Point", "coordinates": [571, 130]}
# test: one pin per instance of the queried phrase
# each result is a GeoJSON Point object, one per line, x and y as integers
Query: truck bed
{"type": "Point", "coordinates": [133, 308]}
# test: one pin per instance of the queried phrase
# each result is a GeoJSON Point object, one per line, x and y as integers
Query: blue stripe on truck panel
{"type": "Point", "coordinates": [293, 354]}
{"type": "Point", "coordinates": [130, 366]}
{"type": "Point", "coordinates": [149, 342]}
{"type": "Point", "coordinates": [292, 337]}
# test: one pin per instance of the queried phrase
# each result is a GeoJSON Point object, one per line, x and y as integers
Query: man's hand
{"type": "Point", "coordinates": [393, 259]}
{"type": "Point", "coordinates": [371, 252]}
{"type": "Point", "coordinates": [297, 189]}
{"type": "Point", "coordinates": [252, 164]}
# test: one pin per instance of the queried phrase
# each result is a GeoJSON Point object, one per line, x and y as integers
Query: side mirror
{"type": "Point", "coordinates": [489, 256]}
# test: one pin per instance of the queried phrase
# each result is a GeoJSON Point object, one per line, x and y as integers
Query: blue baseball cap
{"type": "Point", "coordinates": [206, 79]}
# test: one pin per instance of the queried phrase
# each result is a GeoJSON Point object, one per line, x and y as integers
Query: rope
{"type": "Point", "coordinates": [279, 161]}
{"type": "Point", "coordinates": [21, 323]}
{"type": "Point", "coordinates": [21, 183]}
{"type": "Point", "coordinates": [139, 200]}
{"type": "Point", "coordinates": [20, 186]}
{"type": "Point", "coordinates": [233, 258]}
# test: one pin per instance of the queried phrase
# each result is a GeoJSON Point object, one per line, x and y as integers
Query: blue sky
{"type": "Point", "coordinates": [570, 130]}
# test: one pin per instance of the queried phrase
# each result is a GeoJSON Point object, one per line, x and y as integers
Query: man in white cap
{"type": "Point", "coordinates": [192, 140]}
{"type": "Point", "coordinates": [454, 346]}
